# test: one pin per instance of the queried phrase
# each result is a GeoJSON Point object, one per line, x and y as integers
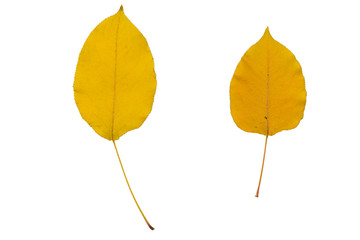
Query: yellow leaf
{"type": "Point", "coordinates": [115, 81]}
{"type": "Point", "coordinates": [267, 91]}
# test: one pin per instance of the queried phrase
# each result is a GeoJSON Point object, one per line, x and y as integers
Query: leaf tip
{"type": "Point", "coordinates": [267, 31]}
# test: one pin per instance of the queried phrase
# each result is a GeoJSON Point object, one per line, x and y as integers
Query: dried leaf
{"type": "Point", "coordinates": [115, 81]}
{"type": "Point", "coordinates": [267, 91]}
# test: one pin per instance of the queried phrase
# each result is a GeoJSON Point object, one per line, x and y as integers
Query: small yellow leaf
{"type": "Point", "coordinates": [115, 80]}
{"type": "Point", "coordinates": [267, 91]}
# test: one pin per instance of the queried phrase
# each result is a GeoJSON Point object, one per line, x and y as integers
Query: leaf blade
{"type": "Point", "coordinates": [267, 91]}
{"type": "Point", "coordinates": [115, 81]}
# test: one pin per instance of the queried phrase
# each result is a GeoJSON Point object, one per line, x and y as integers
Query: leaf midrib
{"type": "Point", "coordinates": [115, 68]}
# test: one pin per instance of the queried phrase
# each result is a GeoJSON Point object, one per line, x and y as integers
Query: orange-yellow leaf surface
{"type": "Point", "coordinates": [267, 91]}
{"type": "Point", "coordinates": [115, 80]}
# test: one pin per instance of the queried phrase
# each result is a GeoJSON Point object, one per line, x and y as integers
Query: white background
{"type": "Point", "coordinates": [192, 170]}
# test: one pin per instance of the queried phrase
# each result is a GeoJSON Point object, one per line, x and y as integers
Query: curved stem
{"type": "Point", "coordinates": [130, 188]}
{"type": "Point", "coordinates": [262, 167]}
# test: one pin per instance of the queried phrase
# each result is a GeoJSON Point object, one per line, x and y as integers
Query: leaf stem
{"type": "Point", "coordinates": [130, 188]}
{"type": "Point", "coordinates": [262, 167]}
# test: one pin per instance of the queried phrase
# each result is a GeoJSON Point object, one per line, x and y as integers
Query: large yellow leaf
{"type": "Point", "coordinates": [267, 92]}
{"type": "Point", "coordinates": [115, 81]}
